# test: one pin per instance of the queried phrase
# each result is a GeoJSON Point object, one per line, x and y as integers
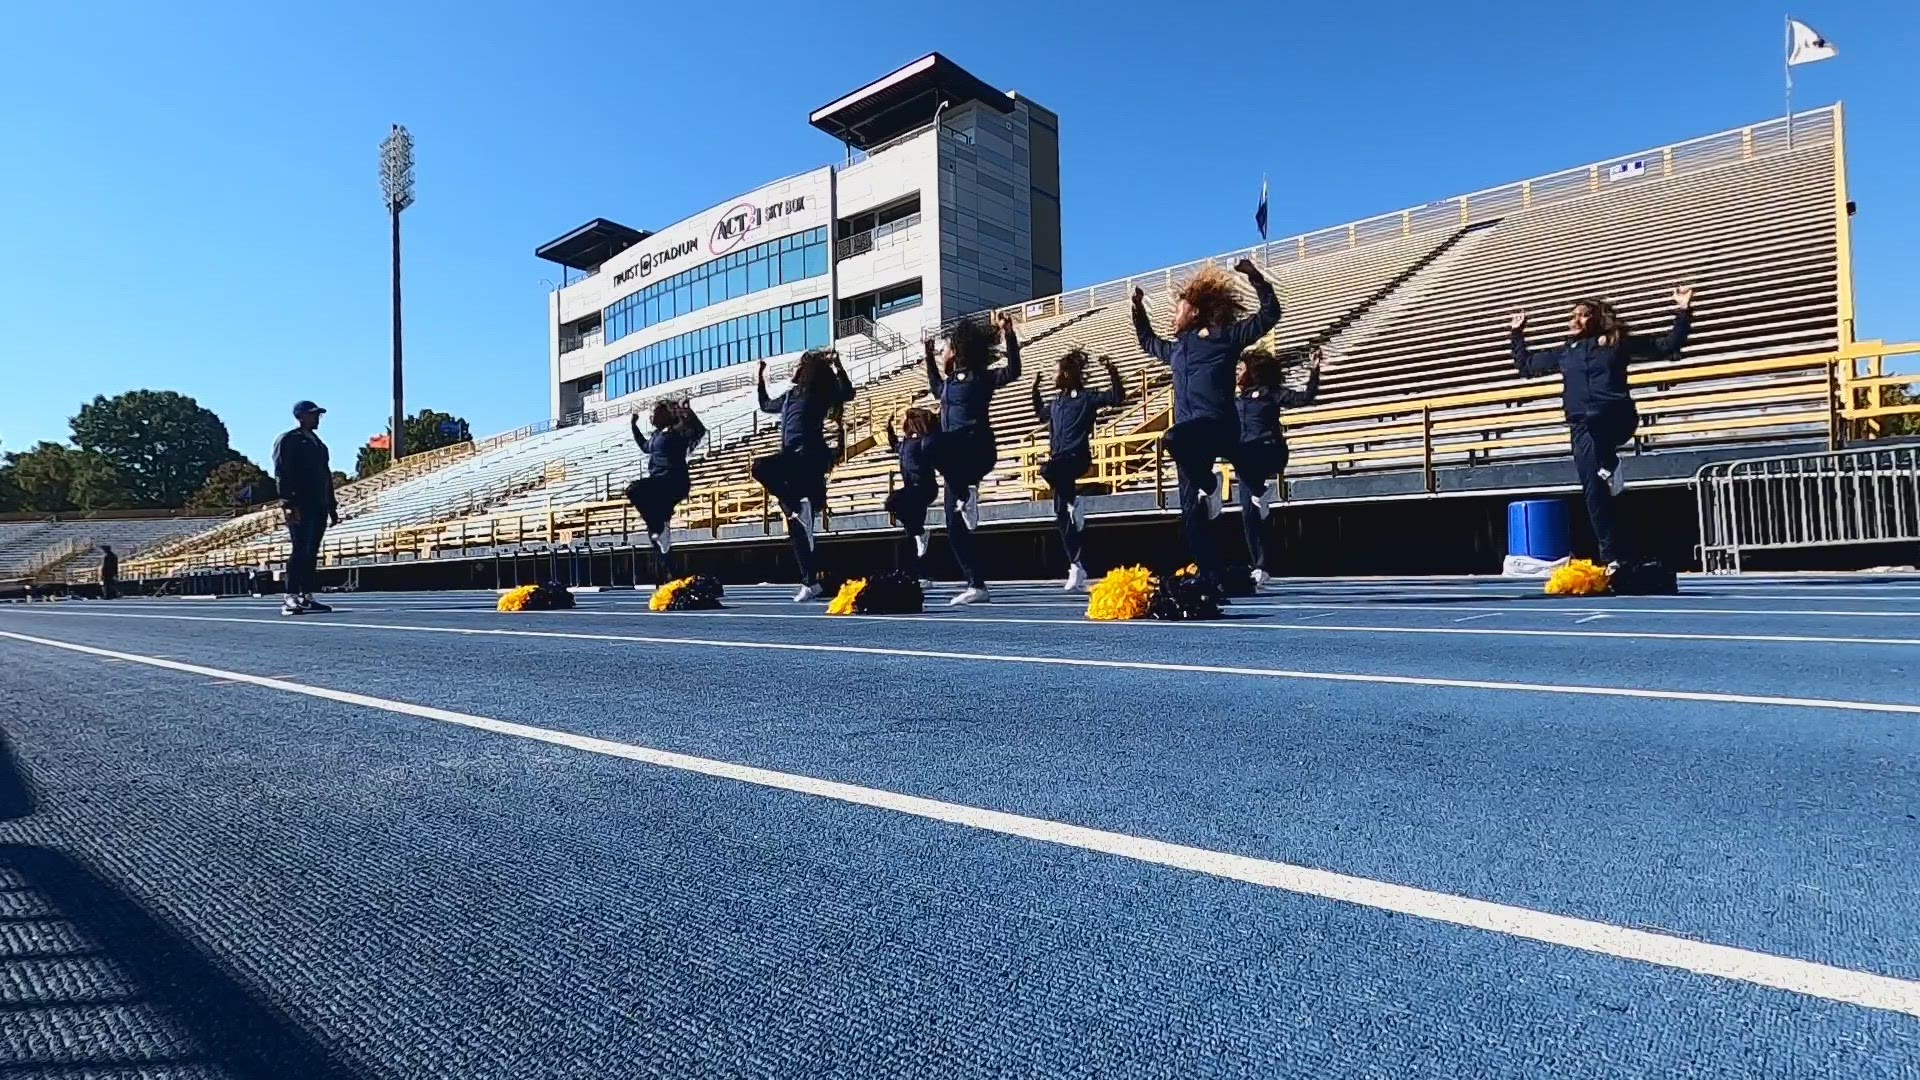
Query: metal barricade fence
{"type": "Point", "coordinates": [1832, 499]}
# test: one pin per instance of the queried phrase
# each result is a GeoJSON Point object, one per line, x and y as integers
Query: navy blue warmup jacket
{"type": "Point", "coordinates": [1204, 358]}
{"type": "Point", "coordinates": [1593, 377]}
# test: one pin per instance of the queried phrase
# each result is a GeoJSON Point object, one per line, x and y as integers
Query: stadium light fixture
{"type": "Point", "coordinates": [396, 183]}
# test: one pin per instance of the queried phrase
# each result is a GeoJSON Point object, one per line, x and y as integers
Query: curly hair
{"type": "Point", "coordinates": [970, 346]}
{"type": "Point", "coordinates": [1070, 372]}
{"type": "Point", "coordinates": [1604, 322]}
{"type": "Point", "coordinates": [812, 367]}
{"type": "Point", "coordinates": [1214, 297]}
{"type": "Point", "coordinates": [919, 422]}
{"type": "Point", "coordinates": [1259, 369]}
{"type": "Point", "coordinates": [664, 414]}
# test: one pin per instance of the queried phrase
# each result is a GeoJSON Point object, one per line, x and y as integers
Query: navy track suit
{"type": "Point", "coordinates": [919, 489]}
{"type": "Point", "coordinates": [1599, 407]}
{"type": "Point", "coordinates": [966, 451]}
{"type": "Point", "coordinates": [1070, 419]}
{"type": "Point", "coordinates": [1261, 457]}
{"type": "Point", "coordinates": [668, 479]}
{"type": "Point", "coordinates": [799, 470]}
{"type": "Point", "coordinates": [1205, 427]}
{"type": "Point", "coordinates": [303, 474]}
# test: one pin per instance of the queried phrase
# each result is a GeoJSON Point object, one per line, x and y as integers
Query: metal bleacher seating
{"type": "Point", "coordinates": [1410, 307]}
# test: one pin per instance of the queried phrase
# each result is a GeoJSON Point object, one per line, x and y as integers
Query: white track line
{"type": "Point", "coordinates": [945, 619]}
{"type": "Point", "coordinates": [321, 622]}
{"type": "Point", "coordinates": [1805, 977]}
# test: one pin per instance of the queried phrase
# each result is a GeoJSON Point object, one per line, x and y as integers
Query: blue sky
{"type": "Point", "coordinates": [191, 196]}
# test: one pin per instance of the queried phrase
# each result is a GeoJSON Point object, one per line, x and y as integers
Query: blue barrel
{"type": "Point", "coordinates": [1537, 529]}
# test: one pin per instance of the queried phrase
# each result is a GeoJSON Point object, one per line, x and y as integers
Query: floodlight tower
{"type": "Point", "coordinates": [396, 182]}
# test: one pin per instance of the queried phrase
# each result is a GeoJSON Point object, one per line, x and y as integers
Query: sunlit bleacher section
{"type": "Point", "coordinates": [70, 549]}
{"type": "Point", "coordinates": [1411, 309]}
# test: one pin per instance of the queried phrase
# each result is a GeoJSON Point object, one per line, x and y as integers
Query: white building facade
{"type": "Point", "coordinates": [947, 204]}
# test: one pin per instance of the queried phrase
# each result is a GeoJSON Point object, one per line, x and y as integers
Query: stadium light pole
{"type": "Point", "coordinates": [396, 182]}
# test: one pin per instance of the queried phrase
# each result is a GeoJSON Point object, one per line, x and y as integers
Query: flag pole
{"type": "Point", "coordinates": [1787, 66]}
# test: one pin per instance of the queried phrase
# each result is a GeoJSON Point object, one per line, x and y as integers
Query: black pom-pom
{"type": "Point", "coordinates": [1181, 598]}
{"type": "Point", "coordinates": [702, 593]}
{"type": "Point", "coordinates": [1644, 578]}
{"type": "Point", "coordinates": [890, 593]}
{"type": "Point", "coordinates": [550, 597]}
{"type": "Point", "coordinates": [1236, 580]}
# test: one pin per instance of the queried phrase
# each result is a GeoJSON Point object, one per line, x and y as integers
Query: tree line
{"type": "Point", "coordinates": [161, 450]}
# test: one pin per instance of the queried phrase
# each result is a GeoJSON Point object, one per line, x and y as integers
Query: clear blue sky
{"type": "Point", "coordinates": [191, 198]}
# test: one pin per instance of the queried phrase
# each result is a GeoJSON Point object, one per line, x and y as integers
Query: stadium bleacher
{"type": "Point", "coordinates": [70, 549]}
{"type": "Point", "coordinates": [1410, 307]}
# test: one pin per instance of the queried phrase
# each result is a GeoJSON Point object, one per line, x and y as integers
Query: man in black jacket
{"type": "Point", "coordinates": [305, 476]}
{"type": "Point", "coordinates": [109, 573]}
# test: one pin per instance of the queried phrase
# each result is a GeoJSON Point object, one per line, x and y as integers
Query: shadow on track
{"type": "Point", "coordinates": [16, 793]}
{"type": "Point", "coordinates": [128, 992]}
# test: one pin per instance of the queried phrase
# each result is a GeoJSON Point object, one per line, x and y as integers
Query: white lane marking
{"type": "Point", "coordinates": [1592, 618]}
{"type": "Point", "coordinates": [1568, 609]}
{"type": "Point", "coordinates": [945, 618]}
{"type": "Point", "coordinates": [1709, 696]}
{"type": "Point", "coordinates": [1805, 977]}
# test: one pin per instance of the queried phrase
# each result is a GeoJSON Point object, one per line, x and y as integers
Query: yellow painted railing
{"type": "Point", "coordinates": [1847, 393]}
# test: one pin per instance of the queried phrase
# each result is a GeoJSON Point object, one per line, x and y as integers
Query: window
{"type": "Point", "coordinates": [785, 329]}
{"type": "Point", "coordinates": [762, 266]}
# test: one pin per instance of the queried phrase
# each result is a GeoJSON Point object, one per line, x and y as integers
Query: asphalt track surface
{"type": "Point", "coordinates": [1362, 828]}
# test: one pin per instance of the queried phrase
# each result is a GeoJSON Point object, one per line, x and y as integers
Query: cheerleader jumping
{"type": "Point", "coordinates": [1261, 458]}
{"type": "Point", "coordinates": [676, 430]}
{"type": "Point", "coordinates": [1592, 366]}
{"type": "Point", "coordinates": [1209, 333]}
{"type": "Point", "coordinates": [796, 477]}
{"type": "Point", "coordinates": [1070, 419]}
{"type": "Point", "coordinates": [961, 382]}
{"type": "Point", "coordinates": [919, 483]}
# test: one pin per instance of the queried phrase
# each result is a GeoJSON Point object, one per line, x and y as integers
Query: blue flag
{"type": "Point", "coordinates": [1260, 215]}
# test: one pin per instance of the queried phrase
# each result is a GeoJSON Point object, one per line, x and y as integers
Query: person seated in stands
{"type": "Point", "coordinates": [1592, 365]}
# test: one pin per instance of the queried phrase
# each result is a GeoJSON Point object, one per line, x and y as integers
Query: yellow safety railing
{"type": "Point", "coordinates": [1848, 392]}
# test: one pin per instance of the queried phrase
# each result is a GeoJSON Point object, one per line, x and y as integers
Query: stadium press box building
{"type": "Point", "coordinates": [947, 203]}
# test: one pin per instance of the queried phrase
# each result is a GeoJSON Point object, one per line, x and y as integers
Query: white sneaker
{"type": "Point", "coordinates": [806, 593]}
{"type": "Point", "coordinates": [970, 595]}
{"type": "Point", "coordinates": [970, 510]}
{"type": "Point", "coordinates": [1263, 502]}
{"type": "Point", "coordinates": [1211, 500]}
{"type": "Point", "coordinates": [802, 519]}
{"type": "Point", "coordinates": [662, 542]}
{"type": "Point", "coordinates": [1616, 478]}
{"type": "Point", "coordinates": [291, 606]}
{"type": "Point", "coordinates": [1077, 514]}
{"type": "Point", "coordinates": [1076, 578]}
{"type": "Point", "coordinates": [920, 544]}
{"type": "Point", "coordinates": [926, 583]}
{"type": "Point", "coordinates": [1260, 579]}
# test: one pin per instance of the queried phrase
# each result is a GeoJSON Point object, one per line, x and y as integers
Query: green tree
{"type": "Point", "coordinates": [426, 430]}
{"type": "Point", "coordinates": [234, 483]}
{"type": "Point", "coordinates": [54, 477]}
{"type": "Point", "coordinates": [162, 444]}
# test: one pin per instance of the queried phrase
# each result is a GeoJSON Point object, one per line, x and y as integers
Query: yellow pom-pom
{"type": "Point", "coordinates": [1125, 593]}
{"type": "Point", "coordinates": [516, 599]}
{"type": "Point", "coordinates": [1189, 570]}
{"type": "Point", "coordinates": [1578, 578]}
{"type": "Point", "coordinates": [843, 601]}
{"type": "Point", "coordinates": [663, 596]}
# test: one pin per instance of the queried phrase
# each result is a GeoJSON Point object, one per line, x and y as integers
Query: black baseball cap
{"type": "Point", "coordinates": [302, 408]}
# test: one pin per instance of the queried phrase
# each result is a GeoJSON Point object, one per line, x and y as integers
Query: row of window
{"type": "Point", "coordinates": [762, 266]}
{"type": "Point", "coordinates": [759, 336]}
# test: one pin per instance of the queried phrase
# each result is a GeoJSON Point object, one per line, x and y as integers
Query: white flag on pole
{"type": "Point", "coordinates": [1808, 46]}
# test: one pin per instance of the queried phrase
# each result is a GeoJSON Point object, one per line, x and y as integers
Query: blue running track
{"type": "Point", "coordinates": [1381, 828]}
